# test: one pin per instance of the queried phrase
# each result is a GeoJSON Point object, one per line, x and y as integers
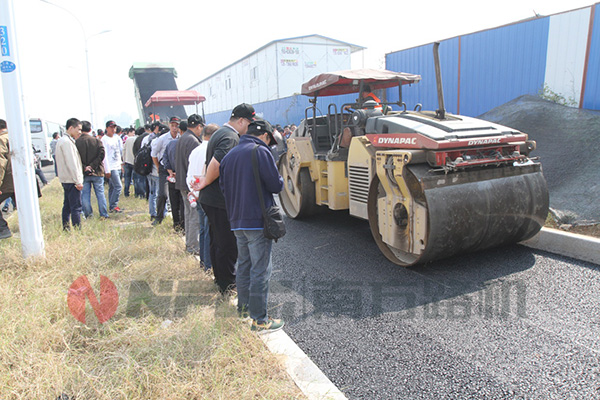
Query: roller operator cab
{"type": "Point", "coordinates": [431, 184]}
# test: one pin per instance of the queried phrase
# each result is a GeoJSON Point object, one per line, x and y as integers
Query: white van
{"type": "Point", "coordinates": [41, 136]}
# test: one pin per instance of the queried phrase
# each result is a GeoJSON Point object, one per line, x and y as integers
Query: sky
{"type": "Point", "coordinates": [201, 37]}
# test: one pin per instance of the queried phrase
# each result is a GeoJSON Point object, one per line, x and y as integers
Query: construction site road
{"type": "Point", "coordinates": [511, 322]}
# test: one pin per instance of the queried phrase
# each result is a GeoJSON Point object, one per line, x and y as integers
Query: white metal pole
{"type": "Point", "coordinates": [87, 69]}
{"type": "Point", "coordinates": [19, 136]}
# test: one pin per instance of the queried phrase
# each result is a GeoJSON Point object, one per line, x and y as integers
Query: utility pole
{"type": "Point", "coordinates": [19, 136]}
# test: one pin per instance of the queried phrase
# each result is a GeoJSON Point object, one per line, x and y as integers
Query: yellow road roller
{"type": "Point", "coordinates": [431, 184]}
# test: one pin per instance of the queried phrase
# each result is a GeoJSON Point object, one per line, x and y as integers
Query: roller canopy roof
{"type": "Point", "coordinates": [344, 82]}
{"type": "Point", "coordinates": [175, 98]}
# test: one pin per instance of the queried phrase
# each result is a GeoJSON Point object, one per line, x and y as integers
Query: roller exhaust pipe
{"type": "Point", "coordinates": [441, 111]}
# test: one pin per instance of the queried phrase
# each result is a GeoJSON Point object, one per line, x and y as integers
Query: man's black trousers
{"type": "Point", "coordinates": [176, 207]}
{"type": "Point", "coordinates": [223, 247]}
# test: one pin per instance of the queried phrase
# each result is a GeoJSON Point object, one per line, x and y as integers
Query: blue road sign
{"type": "Point", "coordinates": [4, 48]}
{"type": "Point", "coordinates": [7, 66]}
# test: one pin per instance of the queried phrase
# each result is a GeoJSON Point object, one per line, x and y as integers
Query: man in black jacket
{"type": "Point", "coordinates": [91, 152]}
{"type": "Point", "coordinates": [186, 144]}
{"type": "Point", "coordinates": [223, 245]}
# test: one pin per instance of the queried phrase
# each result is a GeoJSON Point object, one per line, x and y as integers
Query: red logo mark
{"type": "Point", "coordinates": [81, 288]}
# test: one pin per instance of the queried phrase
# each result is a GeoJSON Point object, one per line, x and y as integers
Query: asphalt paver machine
{"type": "Point", "coordinates": [431, 184]}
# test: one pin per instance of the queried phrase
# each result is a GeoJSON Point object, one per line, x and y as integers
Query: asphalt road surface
{"type": "Point", "coordinates": [507, 323]}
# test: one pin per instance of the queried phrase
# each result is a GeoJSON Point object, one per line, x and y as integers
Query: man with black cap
{"type": "Point", "coordinates": [187, 143]}
{"type": "Point", "coordinates": [223, 247]}
{"type": "Point", "coordinates": [159, 172]}
{"type": "Point", "coordinates": [246, 218]}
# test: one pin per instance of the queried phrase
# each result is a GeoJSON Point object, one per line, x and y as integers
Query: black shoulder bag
{"type": "Point", "coordinates": [274, 227]}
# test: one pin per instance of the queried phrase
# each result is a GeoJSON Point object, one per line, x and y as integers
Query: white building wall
{"type": "Point", "coordinates": [300, 60]}
{"type": "Point", "coordinates": [276, 71]}
{"type": "Point", "coordinates": [567, 42]}
{"type": "Point", "coordinates": [270, 74]}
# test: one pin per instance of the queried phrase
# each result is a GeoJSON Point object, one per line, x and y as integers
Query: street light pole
{"type": "Point", "coordinates": [87, 68]}
{"type": "Point", "coordinates": [87, 60]}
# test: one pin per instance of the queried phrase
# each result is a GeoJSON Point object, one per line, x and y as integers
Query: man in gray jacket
{"type": "Point", "coordinates": [187, 143]}
{"type": "Point", "coordinates": [70, 174]}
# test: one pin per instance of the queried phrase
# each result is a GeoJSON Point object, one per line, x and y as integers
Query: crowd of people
{"type": "Point", "coordinates": [201, 173]}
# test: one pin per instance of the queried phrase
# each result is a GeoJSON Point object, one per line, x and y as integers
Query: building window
{"type": "Point", "coordinates": [254, 74]}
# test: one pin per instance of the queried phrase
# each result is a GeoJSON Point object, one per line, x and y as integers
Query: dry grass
{"type": "Point", "coordinates": [207, 353]}
{"type": "Point", "coordinates": [587, 230]}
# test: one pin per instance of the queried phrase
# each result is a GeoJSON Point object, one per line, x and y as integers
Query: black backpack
{"type": "Point", "coordinates": [142, 163]}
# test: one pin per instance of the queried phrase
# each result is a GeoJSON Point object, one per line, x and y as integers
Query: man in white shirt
{"type": "Point", "coordinates": [128, 160]}
{"type": "Point", "coordinates": [113, 163]}
{"type": "Point", "coordinates": [197, 167]}
{"type": "Point", "coordinates": [70, 174]}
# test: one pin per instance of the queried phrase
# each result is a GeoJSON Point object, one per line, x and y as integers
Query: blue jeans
{"type": "Point", "coordinates": [127, 178]}
{"type": "Point", "coordinates": [86, 195]}
{"type": "Point", "coordinates": [253, 272]}
{"type": "Point", "coordinates": [3, 224]}
{"type": "Point", "coordinates": [204, 238]}
{"type": "Point", "coordinates": [139, 184]}
{"type": "Point", "coordinates": [114, 188]}
{"type": "Point", "coordinates": [8, 202]}
{"type": "Point", "coordinates": [71, 211]}
{"type": "Point", "coordinates": [153, 185]}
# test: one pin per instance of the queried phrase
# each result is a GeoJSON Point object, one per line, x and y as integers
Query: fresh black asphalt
{"type": "Point", "coordinates": [507, 323]}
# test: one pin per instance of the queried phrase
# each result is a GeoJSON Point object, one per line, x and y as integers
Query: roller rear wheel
{"type": "Point", "coordinates": [298, 195]}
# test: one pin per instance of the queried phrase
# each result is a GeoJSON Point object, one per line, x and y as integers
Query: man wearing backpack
{"type": "Point", "coordinates": [152, 183]}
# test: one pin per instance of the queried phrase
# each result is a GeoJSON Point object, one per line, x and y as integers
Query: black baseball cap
{"type": "Point", "coordinates": [110, 123]}
{"type": "Point", "coordinates": [194, 120]}
{"type": "Point", "coordinates": [183, 125]}
{"type": "Point", "coordinates": [244, 110]}
{"type": "Point", "coordinates": [175, 119]}
{"type": "Point", "coordinates": [259, 127]}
